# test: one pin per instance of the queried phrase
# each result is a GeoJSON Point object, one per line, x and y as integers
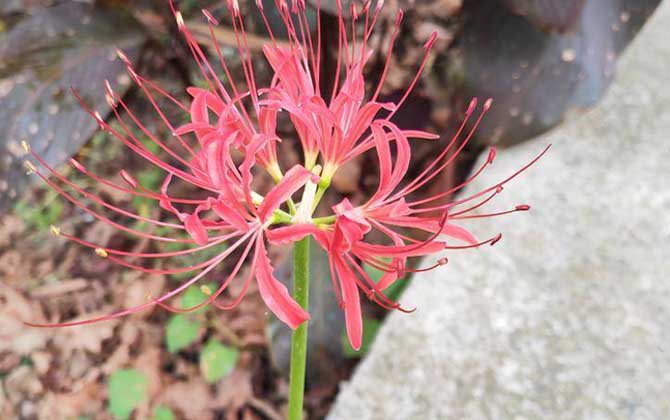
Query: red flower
{"type": "Point", "coordinates": [227, 121]}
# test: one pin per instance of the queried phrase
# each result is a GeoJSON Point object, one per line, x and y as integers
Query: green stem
{"type": "Point", "coordinates": [299, 337]}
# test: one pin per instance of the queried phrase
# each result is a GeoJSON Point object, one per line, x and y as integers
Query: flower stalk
{"type": "Point", "coordinates": [299, 337]}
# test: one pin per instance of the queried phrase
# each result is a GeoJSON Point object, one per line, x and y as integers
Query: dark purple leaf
{"type": "Point", "coordinates": [550, 15]}
{"type": "Point", "coordinates": [536, 77]}
{"type": "Point", "coordinates": [72, 45]}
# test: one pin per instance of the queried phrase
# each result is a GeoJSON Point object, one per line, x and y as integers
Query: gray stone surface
{"type": "Point", "coordinates": [569, 316]}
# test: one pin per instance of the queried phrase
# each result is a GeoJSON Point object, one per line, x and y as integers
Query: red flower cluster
{"type": "Point", "coordinates": [232, 133]}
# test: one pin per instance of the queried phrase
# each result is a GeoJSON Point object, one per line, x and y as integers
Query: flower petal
{"type": "Point", "coordinates": [351, 301]}
{"type": "Point", "coordinates": [274, 293]}
{"type": "Point", "coordinates": [195, 228]}
{"type": "Point", "coordinates": [292, 181]}
{"type": "Point", "coordinates": [289, 234]}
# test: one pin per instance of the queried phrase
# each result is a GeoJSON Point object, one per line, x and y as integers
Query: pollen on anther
{"type": "Point", "coordinates": [206, 290]}
{"type": "Point", "coordinates": [122, 56]}
{"type": "Point", "coordinates": [101, 253]}
{"type": "Point", "coordinates": [55, 230]}
{"type": "Point", "coordinates": [25, 146]}
{"type": "Point", "coordinates": [109, 95]}
{"type": "Point", "coordinates": [180, 20]}
{"type": "Point", "coordinates": [31, 169]}
{"type": "Point", "coordinates": [77, 165]}
{"type": "Point", "coordinates": [210, 17]}
{"type": "Point", "coordinates": [98, 118]}
{"type": "Point", "coordinates": [236, 6]}
{"type": "Point", "coordinates": [487, 104]}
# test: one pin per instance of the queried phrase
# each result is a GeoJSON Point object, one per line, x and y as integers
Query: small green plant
{"type": "Point", "coordinates": [181, 332]}
{"type": "Point", "coordinates": [40, 217]}
{"type": "Point", "coordinates": [217, 360]}
{"type": "Point", "coordinates": [163, 413]}
{"type": "Point", "coordinates": [127, 388]}
{"type": "Point", "coordinates": [182, 329]}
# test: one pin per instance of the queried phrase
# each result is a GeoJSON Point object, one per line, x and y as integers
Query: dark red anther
{"type": "Point", "coordinates": [496, 239]}
{"type": "Point", "coordinates": [471, 107]}
{"type": "Point", "coordinates": [128, 178]}
{"type": "Point", "coordinates": [492, 155]}
{"type": "Point", "coordinates": [429, 44]}
{"type": "Point", "coordinates": [398, 17]}
{"type": "Point", "coordinates": [523, 207]}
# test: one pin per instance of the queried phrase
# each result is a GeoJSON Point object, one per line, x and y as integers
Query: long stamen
{"type": "Point", "coordinates": [134, 309]}
{"type": "Point", "coordinates": [521, 207]}
{"type": "Point", "coordinates": [213, 243]}
{"type": "Point", "coordinates": [102, 218]}
{"type": "Point", "coordinates": [486, 190]}
{"type": "Point", "coordinates": [428, 46]}
{"type": "Point", "coordinates": [389, 54]}
{"type": "Point", "coordinates": [431, 173]}
{"type": "Point", "coordinates": [142, 150]}
{"type": "Point", "coordinates": [459, 187]}
{"type": "Point", "coordinates": [491, 241]}
{"type": "Point", "coordinates": [224, 285]}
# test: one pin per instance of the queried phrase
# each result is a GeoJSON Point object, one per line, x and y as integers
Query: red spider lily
{"type": "Point", "coordinates": [228, 121]}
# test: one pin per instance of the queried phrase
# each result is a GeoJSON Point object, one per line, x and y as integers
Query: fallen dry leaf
{"type": "Point", "coordinates": [139, 288]}
{"type": "Point", "coordinates": [22, 383]}
{"type": "Point", "coordinates": [59, 288]}
{"type": "Point", "coordinates": [14, 311]}
{"type": "Point", "coordinates": [191, 398]}
{"type": "Point", "coordinates": [8, 361]}
{"type": "Point", "coordinates": [42, 361]}
{"type": "Point", "coordinates": [10, 225]}
{"type": "Point", "coordinates": [234, 391]}
{"type": "Point", "coordinates": [87, 400]}
{"type": "Point", "coordinates": [149, 363]}
{"type": "Point", "coordinates": [84, 337]}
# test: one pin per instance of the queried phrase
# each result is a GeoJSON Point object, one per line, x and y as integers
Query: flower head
{"type": "Point", "coordinates": [231, 135]}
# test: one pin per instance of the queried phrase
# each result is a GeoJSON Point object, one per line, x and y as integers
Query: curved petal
{"type": "Point", "coordinates": [292, 181]}
{"type": "Point", "coordinates": [289, 234]}
{"type": "Point", "coordinates": [351, 301]}
{"type": "Point", "coordinates": [274, 293]}
{"type": "Point", "coordinates": [195, 228]}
